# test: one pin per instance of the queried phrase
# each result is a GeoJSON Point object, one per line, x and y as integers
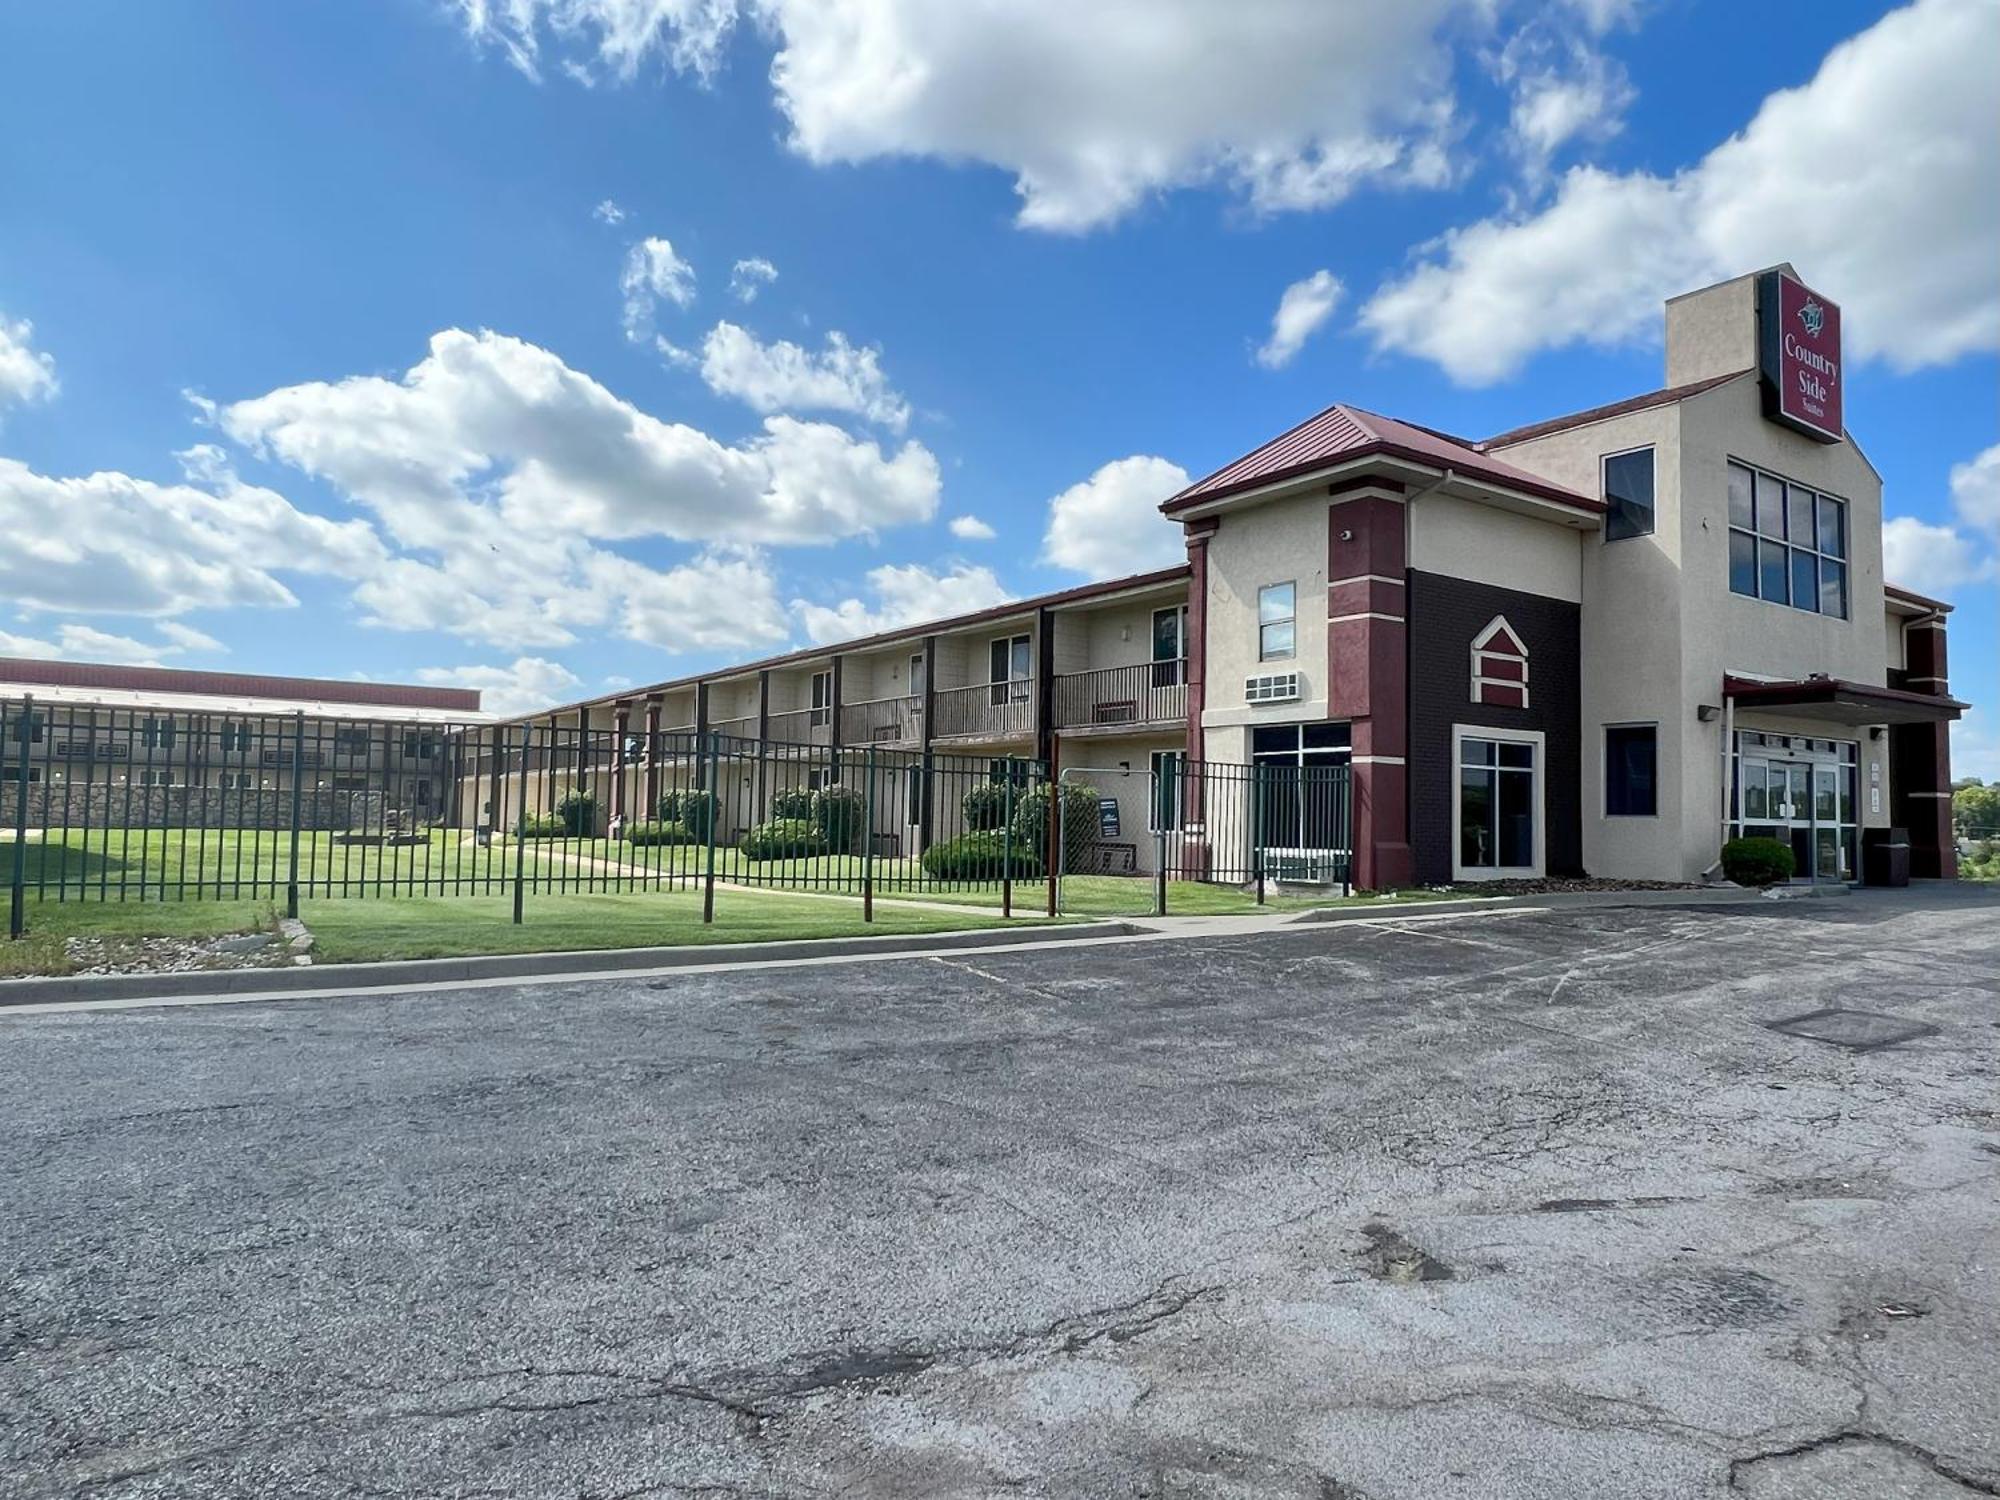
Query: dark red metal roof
{"type": "Point", "coordinates": [1343, 433]}
{"type": "Point", "coordinates": [1911, 596]}
{"type": "Point", "coordinates": [1665, 396]}
{"type": "Point", "coordinates": [88, 674]}
{"type": "Point", "coordinates": [1862, 702]}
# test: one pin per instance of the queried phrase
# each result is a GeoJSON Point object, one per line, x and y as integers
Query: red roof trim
{"type": "Point", "coordinates": [1829, 689]}
{"type": "Point", "coordinates": [86, 674]}
{"type": "Point", "coordinates": [1665, 396]}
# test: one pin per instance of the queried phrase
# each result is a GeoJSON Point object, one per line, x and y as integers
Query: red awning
{"type": "Point", "coordinates": [1838, 702]}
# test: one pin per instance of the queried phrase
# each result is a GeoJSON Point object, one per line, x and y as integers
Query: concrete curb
{"type": "Point", "coordinates": [1389, 911]}
{"type": "Point", "coordinates": [322, 978]}
{"type": "Point", "coordinates": [1693, 898]}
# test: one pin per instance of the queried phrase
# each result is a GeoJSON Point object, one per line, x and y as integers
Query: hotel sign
{"type": "Point", "coordinates": [1798, 344]}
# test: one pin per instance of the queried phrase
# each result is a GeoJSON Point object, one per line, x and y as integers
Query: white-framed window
{"type": "Point", "coordinates": [1277, 621]}
{"type": "Point", "coordinates": [1008, 667]}
{"type": "Point", "coordinates": [1631, 770]}
{"type": "Point", "coordinates": [1497, 816]}
{"type": "Point", "coordinates": [158, 734]}
{"type": "Point", "coordinates": [919, 680]}
{"type": "Point", "coordinates": [1170, 646]}
{"type": "Point", "coordinates": [822, 698]}
{"type": "Point", "coordinates": [238, 781]}
{"type": "Point", "coordinates": [156, 778]}
{"type": "Point", "coordinates": [1628, 479]}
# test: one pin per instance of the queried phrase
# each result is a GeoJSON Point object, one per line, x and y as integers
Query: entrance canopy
{"type": "Point", "coordinates": [1833, 701]}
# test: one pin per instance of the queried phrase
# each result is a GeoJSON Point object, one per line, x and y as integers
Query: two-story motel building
{"type": "Point", "coordinates": [1598, 644]}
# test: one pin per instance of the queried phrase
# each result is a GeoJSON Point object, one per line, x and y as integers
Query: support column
{"type": "Point", "coordinates": [653, 747]}
{"type": "Point", "coordinates": [701, 736]}
{"type": "Point", "coordinates": [621, 728]}
{"type": "Point", "coordinates": [1197, 534]}
{"type": "Point", "coordinates": [1367, 670]}
{"type": "Point", "coordinates": [1045, 688]}
{"type": "Point", "coordinates": [927, 708]}
{"type": "Point", "coordinates": [1920, 758]}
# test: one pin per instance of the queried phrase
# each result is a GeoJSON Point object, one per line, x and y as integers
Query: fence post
{"type": "Point", "coordinates": [521, 817]}
{"type": "Point", "coordinates": [1053, 789]}
{"type": "Point", "coordinates": [298, 773]}
{"type": "Point", "coordinates": [1257, 826]}
{"type": "Point", "coordinates": [868, 842]}
{"type": "Point", "coordinates": [1007, 841]}
{"type": "Point", "coordinates": [17, 906]}
{"type": "Point", "coordinates": [712, 790]}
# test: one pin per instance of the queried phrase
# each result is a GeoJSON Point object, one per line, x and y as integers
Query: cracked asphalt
{"type": "Point", "coordinates": [1521, 1206]}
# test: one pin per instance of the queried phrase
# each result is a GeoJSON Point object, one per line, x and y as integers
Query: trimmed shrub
{"type": "Point", "coordinates": [792, 802]}
{"type": "Point", "coordinates": [783, 838]}
{"type": "Point", "coordinates": [656, 833]}
{"type": "Point", "coordinates": [1758, 861]}
{"type": "Point", "coordinates": [693, 809]}
{"type": "Point", "coordinates": [841, 814]}
{"type": "Point", "coordinates": [542, 826]}
{"type": "Point", "coordinates": [985, 805]}
{"type": "Point", "coordinates": [980, 855]}
{"type": "Point", "coordinates": [578, 811]}
{"type": "Point", "coordinates": [1079, 820]}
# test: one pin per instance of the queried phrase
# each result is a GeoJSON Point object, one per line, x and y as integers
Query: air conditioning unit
{"type": "Point", "coordinates": [1277, 687]}
{"type": "Point", "coordinates": [1124, 711]}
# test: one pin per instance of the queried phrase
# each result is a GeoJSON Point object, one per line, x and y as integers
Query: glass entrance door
{"type": "Point", "coordinates": [1808, 805]}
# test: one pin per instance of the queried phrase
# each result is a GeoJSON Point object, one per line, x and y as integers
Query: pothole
{"type": "Point", "coordinates": [1391, 1257]}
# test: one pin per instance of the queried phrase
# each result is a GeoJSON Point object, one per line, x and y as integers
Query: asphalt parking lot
{"type": "Point", "coordinates": [1509, 1206]}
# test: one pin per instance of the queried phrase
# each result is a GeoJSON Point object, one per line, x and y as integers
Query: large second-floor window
{"type": "Point", "coordinates": [1628, 490]}
{"type": "Point", "coordinates": [1787, 543]}
{"type": "Point", "coordinates": [1277, 617]}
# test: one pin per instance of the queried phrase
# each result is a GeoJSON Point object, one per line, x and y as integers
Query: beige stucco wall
{"type": "Point", "coordinates": [1283, 541]}
{"type": "Point", "coordinates": [1464, 539]}
{"type": "Point", "coordinates": [1712, 331]}
{"type": "Point", "coordinates": [1098, 762]}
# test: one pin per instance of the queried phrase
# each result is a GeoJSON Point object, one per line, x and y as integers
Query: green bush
{"type": "Point", "coordinates": [578, 811]}
{"type": "Point", "coordinates": [792, 802]}
{"type": "Point", "coordinates": [981, 855]}
{"type": "Point", "coordinates": [542, 826]}
{"type": "Point", "coordinates": [657, 833]}
{"type": "Point", "coordinates": [693, 809]}
{"type": "Point", "coordinates": [783, 838]}
{"type": "Point", "coordinates": [985, 805]}
{"type": "Point", "coordinates": [1078, 810]}
{"type": "Point", "coordinates": [1757, 861]}
{"type": "Point", "coordinates": [841, 815]}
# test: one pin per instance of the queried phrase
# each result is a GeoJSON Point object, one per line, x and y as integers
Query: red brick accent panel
{"type": "Point", "coordinates": [1367, 677]}
{"type": "Point", "coordinates": [1197, 535]}
{"type": "Point", "coordinates": [1920, 761]}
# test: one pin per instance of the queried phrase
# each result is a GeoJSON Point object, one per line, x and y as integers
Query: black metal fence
{"type": "Point", "coordinates": [131, 805]}
{"type": "Point", "coordinates": [142, 805]}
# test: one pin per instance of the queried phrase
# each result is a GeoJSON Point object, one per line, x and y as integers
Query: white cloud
{"type": "Point", "coordinates": [530, 682]}
{"type": "Point", "coordinates": [1563, 91]}
{"type": "Point", "coordinates": [1929, 558]}
{"type": "Point", "coordinates": [25, 374]}
{"type": "Point", "coordinates": [1975, 491]}
{"type": "Point", "coordinates": [110, 543]}
{"type": "Point", "coordinates": [722, 600]}
{"type": "Point", "coordinates": [972, 529]}
{"type": "Point", "coordinates": [1302, 311]}
{"type": "Point", "coordinates": [1091, 108]}
{"type": "Point", "coordinates": [906, 595]}
{"type": "Point", "coordinates": [608, 212]}
{"type": "Point", "coordinates": [782, 376]}
{"type": "Point", "coordinates": [749, 277]}
{"type": "Point", "coordinates": [78, 642]}
{"type": "Point", "coordinates": [1110, 524]}
{"type": "Point", "coordinates": [653, 273]}
{"type": "Point", "coordinates": [1889, 146]}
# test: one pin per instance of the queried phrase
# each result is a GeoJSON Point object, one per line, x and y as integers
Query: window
{"type": "Point", "coordinates": [1631, 771]}
{"type": "Point", "coordinates": [235, 737]}
{"type": "Point", "coordinates": [13, 773]}
{"type": "Point", "coordinates": [1787, 543]}
{"type": "Point", "coordinates": [418, 746]}
{"type": "Point", "coordinates": [1628, 490]}
{"type": "Point", "coordinates": [1277, 613]}
{"type": "Point", "coordinates": [1008, 669]}
{"type": "Point", "coordinates": [1168, 769]}
{"type": "Point", "coordinates": [1497, 805]}
{"type": "Point", "coordinates": [26, 727]}
{"type": "Point", "coordinates": [156, 778]}
{"type": "Point", "coordinates": [350, 739]}
{"type": "Point", "coordinates": [918, 677]}
{"type": "Point", "coordinates": [238, 781]}
{"type": "Point", "coordinates": [1170, 646]}
{"type": "Point", "coordinates": [158, 734]}
{"type": "Point", "coordinates": [822, 698]}
{"type": "Point", "coordinates": [1302, 784]}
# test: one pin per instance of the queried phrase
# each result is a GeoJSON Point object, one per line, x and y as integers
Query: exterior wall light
{"type": "Point", "coordinates": [1708, 713]}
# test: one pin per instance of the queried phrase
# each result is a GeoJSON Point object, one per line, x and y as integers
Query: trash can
{"type": "Point", "coordinates": [1885, 856]}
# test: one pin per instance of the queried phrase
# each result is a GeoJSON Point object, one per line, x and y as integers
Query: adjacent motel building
{"type": "Point", "coordinates": [1599, 644]}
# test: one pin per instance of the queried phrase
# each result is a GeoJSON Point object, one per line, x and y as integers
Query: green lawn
{"type": "Point", "coordinates": [451, 927]}
{"type": "Point", "coordinates": [223, 863]}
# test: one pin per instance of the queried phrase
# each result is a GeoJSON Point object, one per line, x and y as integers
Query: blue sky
{"type": "Point", "coordinates": [319, 351]}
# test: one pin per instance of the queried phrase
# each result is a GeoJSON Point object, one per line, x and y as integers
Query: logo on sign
{"type": "Point", "coordinates": [1813, 316]}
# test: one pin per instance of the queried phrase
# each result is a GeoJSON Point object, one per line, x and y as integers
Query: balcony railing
{"type": "Point", "coordinates": [998, 710]}
{"type": "Point", "coordinates": [742, 727]}
{"type": "Point", "coordinates": [1150, 693]}
{"type": "Point", "coordinates": [882, 721]}
{"type": "Point", "coordinates": [802, 726]}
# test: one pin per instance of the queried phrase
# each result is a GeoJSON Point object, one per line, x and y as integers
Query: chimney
{"type": "Point", "coordinates": [1713, 331]}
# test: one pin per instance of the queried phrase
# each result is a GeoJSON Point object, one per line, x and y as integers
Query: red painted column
{"type": "Point", "coordinates": [621, 726]}
{"type": "Point", "coordinates": [1197, 535]}
{"type": "Point", "coordinates": [1367, 672]}
{"type": "Point", "coordinates": [1933, 846]}
{"type": "Point", "coordinates": [652, 779]}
